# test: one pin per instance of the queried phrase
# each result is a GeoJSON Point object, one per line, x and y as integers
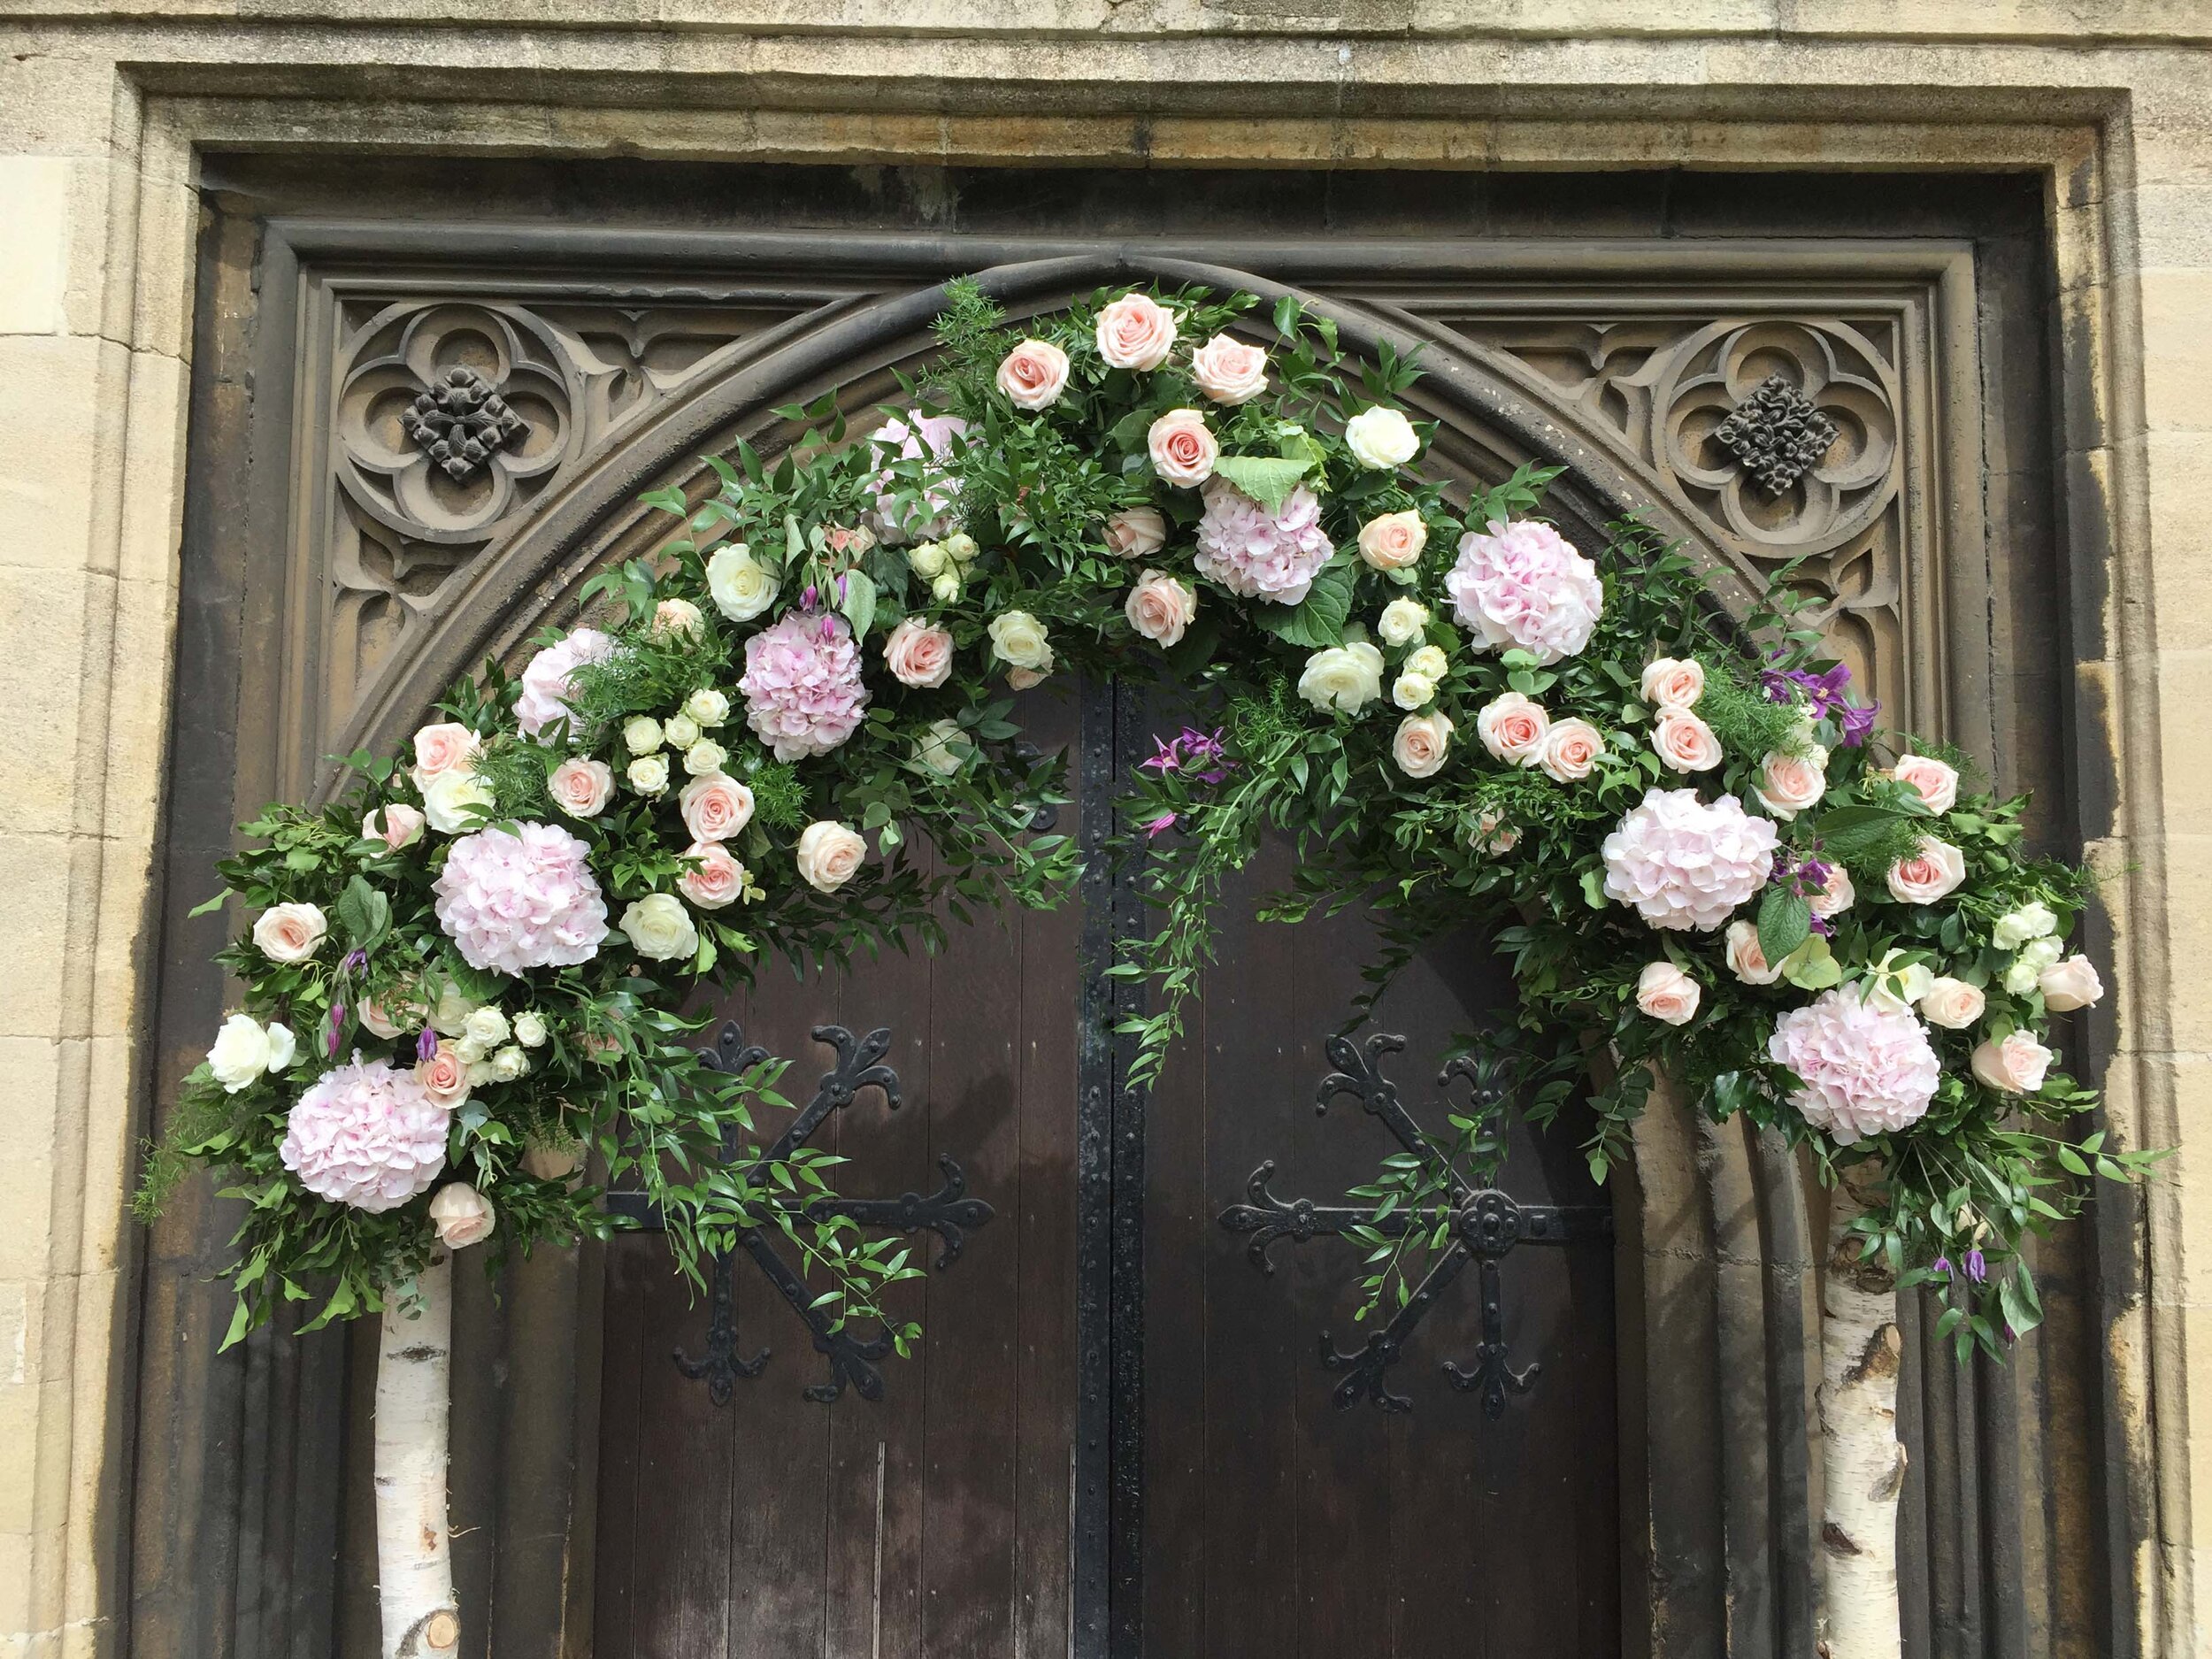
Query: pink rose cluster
{"type": "Point", "coordinates": [512, 901]}
{"type": "Point", "coordinates": [914, 436]}
{"type": "Point", "coordinates": [546, 686]}
{"type": "Point", "coordinates": [1683, 863]}
{"type": "Point", "coordinates": [801, 685]}
{"type": "Point", "coordinates": [365, 1136]}
{"type": "Point", "coordinates": [1525, 585]}
{"type": "Point", "coordinates": [1867, 1069]}
{"type": "Point", "coordinates": [1257, 554]}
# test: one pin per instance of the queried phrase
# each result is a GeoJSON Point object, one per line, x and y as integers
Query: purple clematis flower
{"type": "Point", "coordinates": [1941, 1267]}
{"type": "Point", "coordinates": [1977, 1268]}
{"type": "Point", "coordinates": [1825, 693]}
{"type": "Point", "coordinates": [1159, 825]}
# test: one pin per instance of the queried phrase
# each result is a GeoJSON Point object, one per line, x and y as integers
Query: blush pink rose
{"type": "Point", "coordinates": [716, 881]}
{"type": "Point", "coordinates": [1034, 374]}
{"type": "Point", "coordinates": [444, 1076]}
{"type": "Point", "coordinates": [1392, 541]}
{"type": "Point", "coordinates": [1746, 960]}
{"type": "Point", "coordinates": [1136, 533]}
{"type": "Point", "coordinates": [462, 1216]}
{"type": "Point", "coordinates": [396, 824]}
{"type": "Point", "coordinates": [829, 855]}
{"type": "Point", "coordinates": [581, 787]}
{"type": "Point", "coordinates": [1513, 728]}
{"type": "Point", "coordinates": [1136, 332]}
{"type": "Point", "coordinates": [1570, 750]}
{"type": "Point", "coordinates": [918, 654]}
{"type": "Point", "coordinates": [2069, 985]}
{"type": "Point", "coordinates": [1671, 682]}
{"type": "Point", "coordinates": [1229, 371]}
{"type": "Point", "coordinates": [1421, 744]}
{"type": "Point", "coordinates": [1789, 784]}
{"type": "Point", "coordinates": [1183, 450]}
{"type": "Point", "coordinates": [1929, 874]}
{"type": "Point", "coordinates": [2015, 1066]}
{"type": "Point", "coordinates": [1666, 994]}
{"type": "Point", "coordinates": [1160, 608]}
{"type": "Point", "coordinates": [290, 933]}
{"type": "Point", "coordinates": [373, 1017]}
{"type": "Point", "coordinates": [1837, 896]}
{"type": "Point", "coordinates": [446, 747]}
{"type": "Point", "coordinates": [1684, 741]}
{"type": "Point", "coordinates": [1937, 781]}
{"type": "Point", "coordinates": [715, 807]}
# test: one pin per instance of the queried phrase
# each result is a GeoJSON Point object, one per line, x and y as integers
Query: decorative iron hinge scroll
{"type": "Point", "coordinates": [1484, 1226]}
{"type": "Point", "coordinates": [949, 1212]}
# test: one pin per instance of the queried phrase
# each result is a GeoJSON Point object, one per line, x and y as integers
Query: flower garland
{"type": "Point", "coordinates": [1701, 851]}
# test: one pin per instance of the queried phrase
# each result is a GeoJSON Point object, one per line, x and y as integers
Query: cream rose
{"type": "Point", "coordinates": [1420, 745]}
{"type": "Point", "coordinates": [658, 926]}
{"type": "Point", "coordinates": [918, 654]}
{"type": "Point", "coordinates": [1160, 608]}
{"type": "Point", "coordinates": [1034, 374]}
{"type": "Point", "coordinates": [1937, 782]}
{"type": "Point", "coordinates": [1135, 332]}
{"type": "Point", "coordinates": [943, 747]}
{"type": "Point", "coordinates": [1392, 541]}
{"type": "Point", "coordinates": [1429, 662]}
{"type": "Point", "coordinates": [741, 587]}
{"type": "Point", "coordinates": [1896, 986]}
{"type": "Point", "coordinates": [1229, 371]}
{"type": "Point", "coordinates": [396, 824]}
{"type": "Point", "coordinates": [246, 1051]}
{"type": "Point", "coordinates": [581, 787]}
{"type": "Point", "coordinates": [1746, 960]}
{"type": "Point", "coordinates": [2071, 984]}
{"type": "Point", "coordinates": [1401, 622]}
{"type": "Point", "coordinates": [715, 807]}
{"type": "Point", "coordinates": [1671, 682]}
{"type": "Point", "coordinates": [510, 1064]}
{"type": "Point", "coordinates": [829, 856]}
{"type": "Point", "coordinates": [704, 759]}
{"type": "Point", "coordinates": [530, 1028]}
{"type": "Point", "coordinates": [444, 1076]}
{"type": "Point", "coordinates": [1136, 533]}
{"type": "Point", "coordinates": [1492, 834]}
{"type": "Point", "coordinates": [1411, 691]}
{"type": "Point", "coordinates": [680, 730]}
{"type": "Point", "coordinates": [1183, 451]}
{"type": "Point", "coordinates": [290, 933]}
{"type": "Point", "coordinates": [1345, 677]}
{"type": "Point", "coordinates": [452, 800]}
{"type": "Point", "coordinates": [707, 707]}
{"type": "Point", "coordinates": [1019, 640]}
{"type": "Point", "coordinates": [649, 774]}
{"type": "Point", "coordinates": [1513, 728]}
{"type": "Point", "coordinates": [462, 1216]}
{"type": "Point", "coordinates": [675, 619]}
{"type": "Point", "coordinates": [487, 1029]}
{"type": "Point", "coordinates": [1789, 784]}
{"type": "Point", "coordinates": [450, 1016]}
{"type": "Point", "coordinates": [2026, 972]}
{"type": "Point", "coordinates": [1380, 438]}
{"type": "Point", "coordinates": [642, 734]}
{"type": "Point", "coordinates": [716, 881]}
{"type": "Point", "coordinates": [1684, 741]}
{"type": "Point", "coordinates": [1667, 994]}
{"type": "Point", "coordinates": [1952, 1004]}
{"type": "Point", "coordinates": [2015, 928]}
{"type": "Point", "coordinates": [1570, 748]}
{"type": "Point", "coordinates": [2014, 1065]}
{"type": "Point", "coordinates": [445, 747]}
{"type": "Point", "coordinates": [1929, 874]}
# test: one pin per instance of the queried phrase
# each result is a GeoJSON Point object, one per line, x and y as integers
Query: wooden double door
{"type": "Point", "coordinates": [1118, 1436]}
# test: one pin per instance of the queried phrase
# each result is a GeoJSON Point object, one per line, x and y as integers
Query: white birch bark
{"type": "Point", "coordinates": [1862, 1464]}
{"type": "Point", "coordinates": [414, 1564]}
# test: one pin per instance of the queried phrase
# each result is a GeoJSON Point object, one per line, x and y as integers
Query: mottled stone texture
{"type": "Point", "coordinates": [104, 110]}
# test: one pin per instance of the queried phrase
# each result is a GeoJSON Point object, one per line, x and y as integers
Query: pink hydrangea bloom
{"type": "Point", "coordinates": [1683, 863]}
{"type": "Point", "coordinates": [908, 434]}
{"type": "Point", "coordinates": [801, 685]}
{"type": "Point", "coordinates": [1866, 1069]}
{"type": "Point", "coordinates": [1525, 585]}
{"type": "Point", "coordinates": [545, 683]}
{"type": "Point", "coordinates": [1257, 554]}
{"type": "Point", "coordinates": [520, 899]}
{"type": "Point", "coordinates": [366, 1135]}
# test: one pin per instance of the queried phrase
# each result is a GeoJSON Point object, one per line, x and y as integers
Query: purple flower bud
{"type": "Point", "coordinates": [337, 1026]}
{"type": "Point", "coordinates": [1159, 825]}
{"type": "Point", "coordinates": [1941, 1267]}
{"type": "Point", "coordinates": [427, 1044]}
{"type": "Point", "coordinates": [811, 598]}
{"type": "Point", "coordinates": [1977, 1269]}
{"type": "Point", "coordinates": [356, 959]}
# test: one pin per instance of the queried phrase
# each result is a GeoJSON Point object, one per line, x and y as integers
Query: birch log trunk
{"type": "Point", "coordinates": [1863, 1461]}
{"type": "Point", "coordinates": [414, 1562]}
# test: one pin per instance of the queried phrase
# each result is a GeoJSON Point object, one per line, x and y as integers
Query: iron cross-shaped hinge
{"type": "Point", "coordinates": [1485, 1225]}
{"type": "Point", "coordinates": [949, 1212]}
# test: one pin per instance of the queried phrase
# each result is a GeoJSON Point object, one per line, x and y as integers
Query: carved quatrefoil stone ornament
{"type": "Point", "coordinates": [461, 421]}
{"type": "Point", "coordinates": [1776, 433]}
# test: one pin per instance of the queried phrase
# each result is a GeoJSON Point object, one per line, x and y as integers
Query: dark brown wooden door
{"type": "Point", "coordinates": [1117, 1437]}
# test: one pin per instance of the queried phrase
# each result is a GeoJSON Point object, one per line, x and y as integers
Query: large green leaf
{"type": "Point", "coordinates": [1848, 831]}
{"type": "Point", "coordinates": [1784, 919]}
{"type": "Point", "coordinates": [1264, 478]}
{"type": "Point", "coordinates": [1318, 620]}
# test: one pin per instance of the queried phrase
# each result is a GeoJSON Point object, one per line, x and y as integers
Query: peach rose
{"type": "Point", "coordinates": [829, 856]}
{"type": "Point", "coordinates": [2069, 985]}
{"type": "Point", "coordinates": [462, 1215]}
{"type": "Point", "coordinates": [1929, 874]}
{"type": "Point", "coordinates": [444, 1076]}
{"type": "Point", "coordinates": [396, 824]}
{"type": "Point", "coordinates": [1789, 784]}
{"type": "Point", "coordinates": [1835, 898]}
{"type": "Point", "coordinates": [1672, 682]}
{"type": "Point", "coordinates": [1160, 608]}
{"type": "Point", "coordinates": [717, 880]}
{"type": "Point", "coordinates": [1937, 782]}
{"type": "Point", "coordinates": [1493, 834]}
{"type": "Point", "coordinates": [1514, 729]}
{"type": "Point", "coordinates": [1392, 541]}
{"type": "Point", "coordinates": [1684, 741]}
{"type": "Point", "coordinates": [1571, 750]}
{"type": "Point", "coordinates": [1420, 745]}
{"type": "Point", "coordinates": [918, 654]}
{"type": "Point", "coordinates": [1952, 1004]}
{"type": "Point", "coordinates": [1667, 994]}
{"type": "Point", "coordinates": [581, 787]}
{"type": "Point", "coordinates": [715, 807]}
{"type": "Point", "coordinates": [675, 619]}
{"type": "Point", "coordinates": [1746, 960]}
{"type": "Point", "coordinates": [375, 1020]}
{"type": "Point", "coordinates": [1136, 533]}
{"type": "Point", "coordinates": [290, 933]}
{"type": "Point", "coordinates": [446, 747]}
{"type": "Point", "coordinates": [2013, 1065]}
{"type": "Point", "coordinates": [1228, 371]}
{"type": "Point", "coordinates": [1034, 374]}
{"type": "Point", "coordinates": [1183, 451]}
{"type": "Point", "coordinates": [1136, 332]}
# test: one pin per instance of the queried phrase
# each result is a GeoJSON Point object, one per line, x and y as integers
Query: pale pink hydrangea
{"type": "Point", "coordinates": [1866, 1069]}
{"type": "Point", "coordinates": [1685, 864]}
{"type": "Point", "coordinates": [1524, 584]}
{"type": "Point", "coordinates": [801, 685]}
{"type": "Point", "coordinates": [511, 901]}
{"type": "Point", "coordinates": [367, 1136]}
{"type": "Point", "coordinates": [907, 435]}
{"type": "Point", "coordinates": [1256, 554]}
{"type": "Point", "coordinates": [546, 686]}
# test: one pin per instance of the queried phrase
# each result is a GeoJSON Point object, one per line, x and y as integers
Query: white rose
{"type": "Point", "coordinates": [928, 561]}
{"type": "Point", "coordinates": [2066, 985]}
{"type": "Point", "coordinates": [1411, 691]}
{"type": "Point", "coordinates": [944, 747]}
{"type": "Point", "coordinates": [680, 730]}
{"type": "Point", "coordinates": [486, 1028]}
{"type": "Point", "coordinates": [245, 1049]}
{"type": "Point", "coordinates": [1429, 662]}
{"type": "Point", "coordinates": [1346, 677]}
{"type": "Point", "coordinates": [510, 1064]}
{"type": "Point", "coordinates": [462, 1215]}
{"type": "Point", "coordinates": [1421, 744]}
{"type": "Point", "coordinates": [450, 1016]}
{"type": "Point", "coordinates": [290, 933]}
{"type": "Point", "coordinates": [649, 774]}
{"type": "Point", "coordinates": [1017, 639]}
{"type": "Point", "coordinates": [2016, 928]}
{"type": "Point", "coordinates": [2026, 971]}
{"type": "Point", "coordinates": [704, 759]}
{"type": "Point", "coordinates": [450, 799]}
{"type": "Point", "coordinates": [740, 588]}
{"type": "Point", "coordinates": [1746, 960]}
{"type": "Point", "coordinates": [642, 735]}
{"type": "Point", "coordinates": [1666, 994]}
{"type": "Point", "coordinates": [829, 855]}
{"type": "Point", "coordinates": [946, 587]}
{"type": "Point", "coordinates": [657, 926]}
{"type": "Point", "coordinates": [1952, 1004]}
{"type": "Point", "coordinates": [707, 707]}
{"type": "Point", "coordinates": [1401, 622]}
{"type": "Point", "coordinates": [1381, 438]}
{"type": "Point", "coordinates": [1896, 986]}
{"type": "Point", "coordinates": [530, 1028]}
